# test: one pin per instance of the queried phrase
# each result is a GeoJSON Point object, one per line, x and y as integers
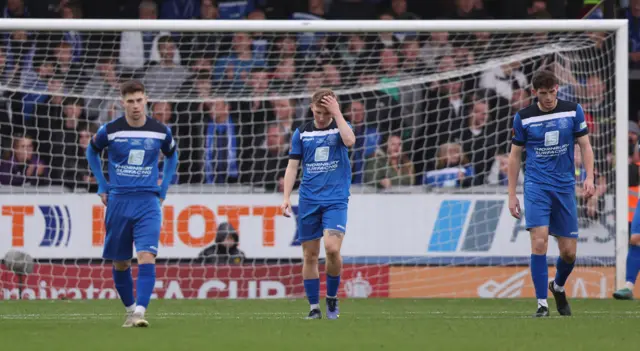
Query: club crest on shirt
{"type": "Point", "coordinates": [332, 139]}
{"type": "Point", "coordinates": [563, 123]}
{"type": "Point", "coordinates": [149, 144]}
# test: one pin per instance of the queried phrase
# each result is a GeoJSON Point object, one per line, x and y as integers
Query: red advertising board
{"type": "Point", "coordinates": [181, 281]}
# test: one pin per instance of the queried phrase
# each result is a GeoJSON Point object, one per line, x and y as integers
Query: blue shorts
{"type": "Point", "coordinates": [635, 223]}
{"type": "Point", "coordinates": [548, 208]}
{"type": "Point", "coordinates": [131, 220]}
{"type": "Point", "coordinates": [314, 219]}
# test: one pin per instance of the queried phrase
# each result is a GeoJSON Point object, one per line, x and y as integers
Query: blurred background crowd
{"type": "Point", "coordinates": [428, 108]}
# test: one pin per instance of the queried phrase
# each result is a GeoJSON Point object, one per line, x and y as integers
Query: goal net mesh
{"type": "Point", "coordinates": [432, 113]}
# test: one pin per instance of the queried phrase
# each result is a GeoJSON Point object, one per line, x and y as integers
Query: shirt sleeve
{"type": "Point", "coordinates": [168, 144]}
{"type": "Point", "coordinates": [579, 123]}
{"type": "Point", "coordinates": [100, 140]}
{"type": "Point", "coordinates": [296, 146]}
{"type": "Point", "coordinates": [518, 134]}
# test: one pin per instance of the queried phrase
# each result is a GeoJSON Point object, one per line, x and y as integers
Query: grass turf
{"type": "Point", "coordinates": [373, 324]}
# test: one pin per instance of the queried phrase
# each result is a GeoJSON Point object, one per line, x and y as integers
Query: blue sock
{"type": "Point", "coordinates": [633, 263]}
{"type": "Point", "coordinates": [332, 285]}
{"type": "Point", "coordinates": [146, 282]}
{"type": "Point", "coordinates": [312, 289]}
{"type": "Point", "coordinates": [124, 284]}
{"type": "Point", "coordinates": [563, 269]}
{"type": "Point", "coordinates": [540, 275]}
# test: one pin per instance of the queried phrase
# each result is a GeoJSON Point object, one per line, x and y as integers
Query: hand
{"type": "Point", "coordinates": [286, 208]}
{"type": "Point", "coordinates": [103, 197]}
{"type": "Point", "coordinates": [514, 206]}
{"type": "Point", "coordinates": [589, 188]}
{"type": "Point", "coordinates": [385, 183]}
{"type": "Point", "coordinates": [331, 104]}
{"type": "Point", "coordinates": [30, 170]}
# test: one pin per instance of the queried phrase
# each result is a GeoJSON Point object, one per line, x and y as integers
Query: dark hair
{"type": "Point", "coordinates": [130, 87]}
{"type": "Point", "coordinates": [165, 39]}
{"type": "Point", "coordinates": [544, 80]}
{"type": "Point", "coordinates": [71, 100]}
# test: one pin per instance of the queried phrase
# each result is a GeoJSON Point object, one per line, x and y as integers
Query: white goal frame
{"type": "Point", "coordinates": [621, 62]}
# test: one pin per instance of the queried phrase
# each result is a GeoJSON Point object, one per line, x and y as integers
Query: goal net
{"type": "Point", "coordinates": [431, 106]}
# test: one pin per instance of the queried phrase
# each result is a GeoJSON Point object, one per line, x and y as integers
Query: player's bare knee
{"type": "Point", "coordinates": [634, 240]}
{"type": "Point", "coordinates": [333, 252]}
{"type": "Point", "coordinates": [121, 265]}
{"type": "Point", "coordinates": [569, 256]}
{"type": "Point", "coordinates": [146, 258]}
{"type": "Point", "coordinates": [539, 245]}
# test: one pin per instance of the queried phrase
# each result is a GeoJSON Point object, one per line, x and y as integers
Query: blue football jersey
{"type": "Point", "coordinates": [326, 168]}
{"type": "Point", "coordinates": [133, 154]}
{"type": "Point", "coordinates": [549, 141]}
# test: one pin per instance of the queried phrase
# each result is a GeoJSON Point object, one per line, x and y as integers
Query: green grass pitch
{"type": "Point", "coordinates": [373, 324]}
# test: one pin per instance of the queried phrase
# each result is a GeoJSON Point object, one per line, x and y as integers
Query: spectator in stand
{"type": "Point", "coordinates": [260, 45]}
{"type": "Point", "coordinates": [221, 145]}
{"type": "Point", "coordinates": [478, 139]}
{"type": "Point", "coordinates": [45, 70]}
{"type": "Point", "coordinates": [411, 96]}
{"type": "Point", "coordinates": [367, 140]}
{"type": "Point", "coordinates": [180, 9]}
{"type": "Point", "coordinates": [74, 38]}
{"type": "Point", "coordinates": [270, 159]}
{"type": "Point", "coordinates": [233, 9]}
{"type": "Point", "coordinates": [381, 108]}
{"type": "Point", "coordinates": [356, 55]}
{"type": "Point", "coordinates": [284, 47]}
{"type": "Point", "coordinates": [230, 72]}
{"type": "Point", "coordinates": [444, 111]}
{"type": "Point", "coordinates": [633, 15]}
{"type": "Point", "coordinates": [332, 78]}
{"type": "Point", "coordinates": [498, 175]}
{"type": "Point", "coordinates": [253, 115]}
{"type": "Point", "coordinates": [399, 10]}
{"type": "Point", "coordinates": [20, 66]}
{"type": "Point", "coordinates": [77, 174]}
{"type": "Point", "coordinates": [137, 49]}
{"type": "Point", "coordinates": [198, 44]}
{"type": "Point", "coordinates": [283, 79]}
{"type": "Point", "coordinates": [225, 250]}
{"type": "Point", "coordinates": [16, 9]}
{"type": "Point", "coordinates": [64, 138]}
{"type": "Point", "coordinates": [48, 117]}
{"type": "Point", "coordinates": [387, 40]}
{"type": "Point", "coordinates": [285, 114]}
{"type": "Point", "coordinates": [467, 9]}
{"type": "Point", "coordinates": [390, 167]}
{"type": "Point", "coordinates": [435, 48]}
{"type": "Point", "coordinates": [315, 10]}
{"type": "Point", "coordinates": [502, 79]}
{"type": "Point", "coordinates": [190, 121]}
{"type": "Point", "coordinates": [453, 169]}
{"type": "Point", "coordinates": [102, 92]}
{"type": "Point", "coordinates": [163, 81]}
{"type": "Point", "coordinates": [22, 166]}
{"type": "Point", "coordinates": [74, 80]}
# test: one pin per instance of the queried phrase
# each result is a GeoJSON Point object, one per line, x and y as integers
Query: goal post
{"type": "Point", "coordinates": [416, 218]}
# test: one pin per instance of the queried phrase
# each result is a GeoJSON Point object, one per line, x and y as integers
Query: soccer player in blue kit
{"type": "Point", "coordinates": [548, 130]}
{"type": "Point", "coordinates": [322, 148]}
{"type": "Point", "coordinates": [133, 196]}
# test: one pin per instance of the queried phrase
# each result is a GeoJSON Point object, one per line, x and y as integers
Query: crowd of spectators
{"type": "Point", "coordinates": [224, 95]}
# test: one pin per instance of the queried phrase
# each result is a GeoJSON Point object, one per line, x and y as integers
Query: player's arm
{"type": "Point", "coordinates": [580, 131]}
{"type": "Point", "coordinates": [515, 160]}
{"type": "Point", "coordinates": [170, 163]}
{"type": "Point", "coordinates": [98, 143]}
{"type": "Point", "coordinates": [346, 133]}
{"type": "Point", "coordinates": [291, 173]}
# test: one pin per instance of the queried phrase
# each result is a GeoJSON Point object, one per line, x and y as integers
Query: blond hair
{"type": "Point", "coordinates": [320, 94]}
